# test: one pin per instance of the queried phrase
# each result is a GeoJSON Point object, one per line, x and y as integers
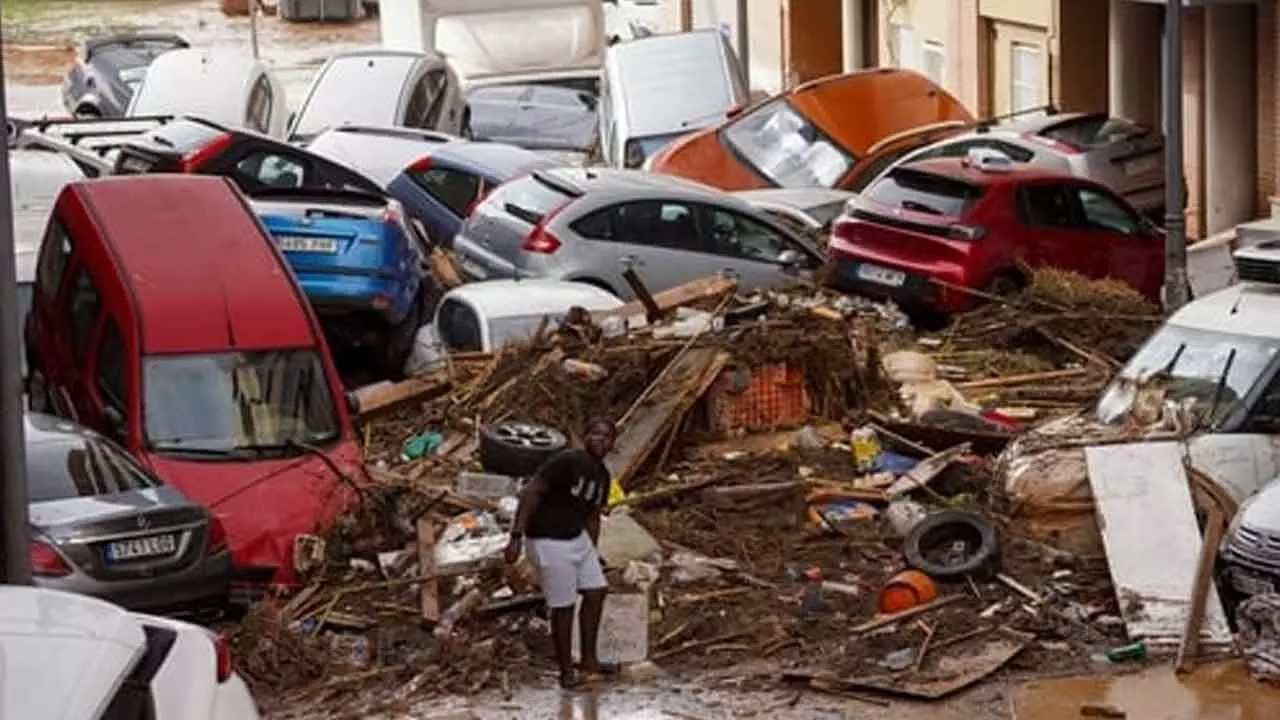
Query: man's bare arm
{"type": "Point", "coordinates": [593, 526]}
{"type": "Point", "coordinates": [530, 498]}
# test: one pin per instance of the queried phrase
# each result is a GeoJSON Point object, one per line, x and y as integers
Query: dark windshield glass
{"type": "Point", "coordinates": [1093, 131]}
{"type": "Point", "coordinates": [528, 198]}
{"type": "Point", "coordinates": [924, 192]}
{"type": "Point", "coordinates": [184, 136]}
{"type": "Point", "coordinates": [73, 466]}
{"type": "Point", "coordinates": [135, 54]}
{"type": "Point", "coordinates": [233, 401]}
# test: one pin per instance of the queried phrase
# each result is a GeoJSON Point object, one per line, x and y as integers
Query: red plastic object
{"type": "Point", "coordinates": [770, 397]}
{"type": "Point", "coordinates": [906, 590]}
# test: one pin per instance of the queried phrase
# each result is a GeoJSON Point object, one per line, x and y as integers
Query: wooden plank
{"type": "Point", "coordinates": [1188, 648]}
{"type": "Point", "coordinates": [706, 288]}
{"type": "Point", "coordinates": [429, 593]}
{"type": "Point", "coordinates": [1026, 378]}
{"type": "Point", "coordinates": [383, 396]}
{"type": "Point", "coordinates": [1152, 539]}
{"type": "Point", "coordinates": [443, 269]}
{"type": "Point", "coordinates": [665, 402]}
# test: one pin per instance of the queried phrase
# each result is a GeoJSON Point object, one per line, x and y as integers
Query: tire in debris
{"type": "Point", "coordinates": [518, 449]}
{"type": "Point", "coordinates": [952, 544]}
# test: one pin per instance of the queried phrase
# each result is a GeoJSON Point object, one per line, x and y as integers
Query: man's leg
{"type": "Point", "coordinates": [594, 587]}
{"type": "Point", "coordinates": [557, 576]}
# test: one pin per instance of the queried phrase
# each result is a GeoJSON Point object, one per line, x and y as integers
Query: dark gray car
{"type": "Point", "coordinates": [108, 70]}
{"type": "Point", "coordinates": [103, 526]}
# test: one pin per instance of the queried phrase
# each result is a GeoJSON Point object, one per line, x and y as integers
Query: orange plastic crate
{"type": "Point", "coordinates": [764, 398]}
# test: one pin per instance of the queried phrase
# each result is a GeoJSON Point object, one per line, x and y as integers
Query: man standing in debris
{"type": "Point", "coordinates": [559, 514]}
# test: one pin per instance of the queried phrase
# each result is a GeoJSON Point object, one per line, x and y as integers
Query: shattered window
{"type": "Point", "coordinates": [1189, 365]}
{"type": "Point", "coordinates": [787, 149]}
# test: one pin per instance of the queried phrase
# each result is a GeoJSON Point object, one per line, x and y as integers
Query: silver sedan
{"type": "Point", "coordinates": [103, 526]}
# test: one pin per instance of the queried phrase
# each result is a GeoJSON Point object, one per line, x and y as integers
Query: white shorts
{"type": "Point", "coordinates": [565, 568]}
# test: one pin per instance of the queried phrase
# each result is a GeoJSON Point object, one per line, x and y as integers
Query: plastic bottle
{"type": "Point", "coordinates": [864, 448]}
{"type": "Point", "coordinates": [589, 372]}
{"type": "Point", "coordinates": [1135, 651]}
{"type": "Point", "coordinates": [811, 600]}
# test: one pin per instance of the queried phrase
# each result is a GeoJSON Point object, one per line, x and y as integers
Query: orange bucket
{"type": "Point", "coordinates": [906, 590]}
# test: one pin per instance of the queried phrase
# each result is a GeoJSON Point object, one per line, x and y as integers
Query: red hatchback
{"type": "Point", "coordinates": [165, 318]}
{"type": "Point", "coordinates": [975, 221]}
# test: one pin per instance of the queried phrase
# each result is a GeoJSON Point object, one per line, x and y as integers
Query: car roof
{"type": "Point", "coordinates": [1035, 124]}
{"type": "Point", "coordinates": [64, 640]}
{"type": "Point", "coordinates": [640, 184]}
{"type": "Point", "coordinates": [194, 81]}
{"type": "Point", "coordinates": [379, 155]}
{"type": "Point", "coordinates": [35, 179]}
{"type": "Point", "coordinates": [521, 298]}
{"type": "Point", "coordinates": [498, 160]}
{"type": "Point", "coordinates": [226, 287]}
{"type": "Point", "coordinates": [801, 198]}
{"type": "Point", "coordinates": [953, 167]}
{"type": "Point", "coordinates": [1246, 308]}
{"type": "Point", "coordinates": [41, 428]}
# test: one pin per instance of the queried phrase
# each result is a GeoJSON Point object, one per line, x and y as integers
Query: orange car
{"type": "Point", "coordinates": [838, 131]}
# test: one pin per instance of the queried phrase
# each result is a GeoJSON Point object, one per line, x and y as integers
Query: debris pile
{"type": "Point", "coordinates": [783, 497]}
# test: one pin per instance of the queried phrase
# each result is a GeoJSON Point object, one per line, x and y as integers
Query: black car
{"type": "Point", "coordinates": [108, 70]}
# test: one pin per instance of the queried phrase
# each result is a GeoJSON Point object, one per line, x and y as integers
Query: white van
{"type": "Point", "coordinates": [657, 88]}
{"type": "Point", "coordinates": [229, 89]}
{"type": "Point", "coordinates": [503, 42]}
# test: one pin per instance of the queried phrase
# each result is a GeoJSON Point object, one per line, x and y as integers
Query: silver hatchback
{"type": "Point", "coordinates": [1124, 156]}
{"type": "Point", "coordinates": [592, 224]}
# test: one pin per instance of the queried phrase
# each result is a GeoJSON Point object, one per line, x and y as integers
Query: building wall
{"type": "Point", "coordinates": [1268, 112]}
{"type": "Point", "coordinates": [1193, 118]}
{"type": "Point", "coordinates": [1084, 52]}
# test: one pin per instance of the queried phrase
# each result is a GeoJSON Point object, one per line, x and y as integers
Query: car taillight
{"type": "Point", "coordinates": [966, 232]}
{"type": "Point", "coordinates": [422, 164]}
{"type": "Point", "coordinates": [193, 161]}
{"type": "Point", "coordinates": [217, 541]}
{"type": "Point", "coordinates": [539, 239]}
{"type": "Point", "coordinates": [45, 561]}
{"type": "Point", "coordinates": [222, 653]}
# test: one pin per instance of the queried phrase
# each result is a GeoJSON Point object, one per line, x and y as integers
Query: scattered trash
{"type": "Point", "coordinates": [1133, 651]}
{"type": "Point", "coordinates": [421, 445]}
{"type": "Point", "coordinates": [907, 589]}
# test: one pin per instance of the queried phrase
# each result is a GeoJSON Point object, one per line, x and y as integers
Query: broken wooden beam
{"type": "Point", "coordinates": [1189, 647]}
{"type": "Point", "coordinates": [443, 269]}
{"type": "Point", "coordinates": [429, 593]}
{"type": "Point", "coordinates": [1022, 379]}
{"type": "Point", "coordinates": [694, 291]}
{"type": "Point", "coordinates": [651, 310]}
{"type": "Point", "coordinates": [383, 396]}
{"type": "Point", "coordinates": [729, 496]}
{"type": "Point", "coordinates": [883, 620]}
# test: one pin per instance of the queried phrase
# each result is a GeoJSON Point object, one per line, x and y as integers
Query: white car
{"type": "Point", "coordinates": [228, 89]}
{"type": "Point", "coordinates": [72, 657]}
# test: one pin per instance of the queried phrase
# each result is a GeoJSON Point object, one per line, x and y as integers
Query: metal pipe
{"type": "Point", "coordinates": [1176, 288]}
{"type": "Point", "coordinates": [852, 55]}
{"type": "Point", "coordinates": [254, 6]}
{"type": "Point", "coordinates": [744, 42]}
{"type": "Point", "coordinates": [14, 561]}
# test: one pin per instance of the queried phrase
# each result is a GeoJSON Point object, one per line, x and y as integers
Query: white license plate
{"type": "Point", "coordinates": [1141, 165]}
{"type": "Point", "coordinates": [1251, 584]}
{"type": "Point", "coordinates": [881, 275]}
{"type": "Point", "coordinates": [297, 243]}
{"type": "Point", "coordinates": [145, 547]}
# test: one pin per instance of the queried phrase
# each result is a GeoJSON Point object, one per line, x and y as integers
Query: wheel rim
{"type": "Point", "coordinates": [526, 435]}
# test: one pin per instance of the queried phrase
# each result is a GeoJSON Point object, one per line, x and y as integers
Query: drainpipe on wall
{"type": "Point", "coordinates": [15, 568]}
{"type": "Point", "coordinates": [1176, 289]}
{"type": "Point", "coordinates": [852, 26]}
{"type": "Point", "coordinates": [744, 42]}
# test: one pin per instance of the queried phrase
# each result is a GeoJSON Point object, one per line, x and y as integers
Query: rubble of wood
{"type": "Point", "coordinates": [737, 515]}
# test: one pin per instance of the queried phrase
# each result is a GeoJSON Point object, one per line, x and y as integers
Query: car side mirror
{"type": "Point", "coordinates": [789, 258]}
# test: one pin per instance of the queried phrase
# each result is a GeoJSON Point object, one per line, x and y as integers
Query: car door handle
{"type": "Point", "coordinates": [631, 261]}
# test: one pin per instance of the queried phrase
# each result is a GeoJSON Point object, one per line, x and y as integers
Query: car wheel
{"type": "Point", "coordinates": [952, 544]}
{"type": "Point", "coordinates": [88, 112]}
{"type": "Point", "coordinates": [518, 449]}
{"type": "Point", "coordinates": [399, 342]}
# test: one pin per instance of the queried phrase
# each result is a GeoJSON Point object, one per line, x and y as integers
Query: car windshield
{"type": "Point", "coordinates": [73, 466]}
{"type": "Point", "coordinates": [924, 192]}
{"type": "Point", "coordinates": [787, 149]}
{"type": "Point", "coordinates": [825, 215]}
{"type": "Point", "coordinates": [1193, 363]}
{"type": "Point", "coordinates": [535, 116]}
{"type": "Point", "coordinates": [134, 54]}
{"type": "Point", "coordinates": [222, 403]}
{"type": "Point", "coordinates": [355, 91]}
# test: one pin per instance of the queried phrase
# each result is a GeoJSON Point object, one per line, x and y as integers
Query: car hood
{"type": "Point", "coordinates": [264, 504]}
{"type": "Point", "coordinates": [487, 39]}
{"type": "Point", "coordinates": [1262, 511]}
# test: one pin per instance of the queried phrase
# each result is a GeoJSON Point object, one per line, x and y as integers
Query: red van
{"type": "Point", "coordinates": [164, 317]}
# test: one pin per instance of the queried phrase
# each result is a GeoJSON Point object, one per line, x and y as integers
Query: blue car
{"type": "Point", "coordinates": [440, 187]}
{"type": "Point", "coordinates": [360, 264]}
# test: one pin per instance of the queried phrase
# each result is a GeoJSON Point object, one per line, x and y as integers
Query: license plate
{"type": "Point", "coordinates": [297, 243]}
{"type": "Point", "coordinates": [1251, 584]}
{"type": "Point", "coordinates": [145, 547]}
{"type": "Point", "coordinates": [881, 275]}
{"type": "Point", "coordinates": [1141, 165]}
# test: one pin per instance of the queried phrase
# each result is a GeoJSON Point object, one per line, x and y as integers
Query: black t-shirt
{"type": "Point", "coordinates": [577, 485]}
